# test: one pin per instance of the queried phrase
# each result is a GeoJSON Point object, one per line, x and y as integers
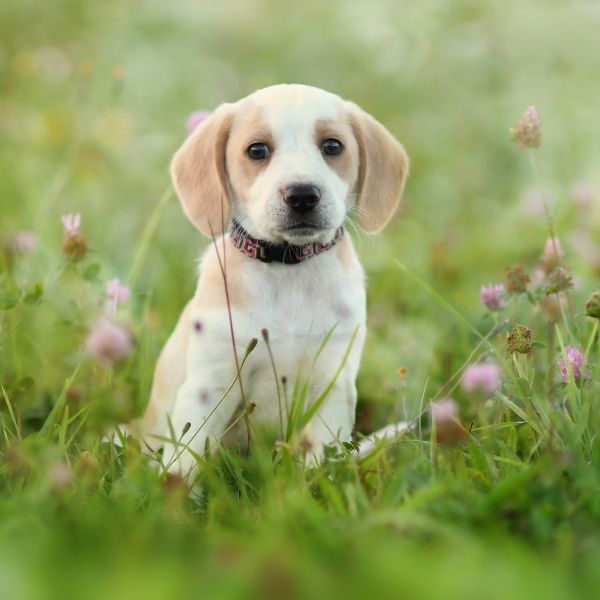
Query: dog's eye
{"type": "Point", "coordinates": [331, 147]}
{"type": "Point", "coordinates": [258, 151]}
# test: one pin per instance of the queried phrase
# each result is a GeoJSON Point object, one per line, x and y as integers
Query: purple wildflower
{"type": "Point", "coordinates": [108, 342]}
{"type": "Point", "coordinates": [492, 296]}
{"type": "Point", "coordinates": [116, 292]}
{"type": "Point", "coordinates": [575, 358]}
{"type": "Point", "coordinates": [25, 241]}
{"type": "Point", "coordinates": [446, 416]}
{"type": "Point", "coordinates": [482, 376]}
{"type": "Point", "coordinates": [71, 223]}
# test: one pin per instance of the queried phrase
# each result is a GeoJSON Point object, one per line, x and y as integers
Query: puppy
{"type": "Point", "coordinates": [279, 172]}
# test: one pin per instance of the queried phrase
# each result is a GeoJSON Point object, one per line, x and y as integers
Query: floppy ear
{"type": "Point", "coordinates": [199, 175]}
{"type": "Point", "coordinates": [382, 172]}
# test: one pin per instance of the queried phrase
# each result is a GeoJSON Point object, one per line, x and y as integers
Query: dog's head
{"type": "Point", "coordinates": [289, 162]}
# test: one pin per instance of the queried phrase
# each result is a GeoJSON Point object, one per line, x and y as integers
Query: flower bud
{"type": "Point", "coordinates": [592, 306]}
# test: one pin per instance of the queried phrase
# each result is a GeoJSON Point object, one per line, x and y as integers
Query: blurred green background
{"type": "Point", "coordinates": [93, 102]}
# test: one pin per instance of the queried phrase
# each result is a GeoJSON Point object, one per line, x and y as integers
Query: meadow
{"type": "Point", "coordinates": [495, 489]}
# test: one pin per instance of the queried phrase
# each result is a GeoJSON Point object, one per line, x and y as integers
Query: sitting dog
{"type": "Point", "coordinates": [279, 171]}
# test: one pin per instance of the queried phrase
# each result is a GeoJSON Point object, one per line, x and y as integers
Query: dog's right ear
{"type": "Point", "coordinates": [199, 175]}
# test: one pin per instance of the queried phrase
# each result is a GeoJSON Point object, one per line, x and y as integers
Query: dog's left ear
{"type": "Point", "coordinates": [199, 174]}
{"type": "Point", "coordinates": [382, 172]}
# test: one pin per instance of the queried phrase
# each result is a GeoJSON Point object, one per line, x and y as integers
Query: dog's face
{"type": "Point", "coordinates": [289, 162]}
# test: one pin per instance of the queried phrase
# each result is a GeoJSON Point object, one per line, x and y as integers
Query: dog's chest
{"type": "Point", "coordinates": [305, 300]}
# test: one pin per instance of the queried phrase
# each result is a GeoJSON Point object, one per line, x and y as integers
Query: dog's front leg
{"type": "Point", "coordinates": [334, 422]}
{"type": "Point", "coordinates": [204, 405]}
{"type": "Point", "coordinates": [202, 413]}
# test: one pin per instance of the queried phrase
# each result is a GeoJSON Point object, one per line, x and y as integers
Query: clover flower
{"type": "Point", "coordinates": [575, 362]}
{"type": "Point", "coordinates": [74, 244]}
{"type": "Point", "coordinates": [528, 132]}
{"type": "Point", "coordinates": [482, 376]}
{"type": "Point", "coordinates": [25, 241]}
{"type": "Point", "coordinates": [71, 223]}
{"type": "Point", "coordinates": [116, 292]}
{"type": "Point", "coordinates": [445, 415]}
{"type": "Point", "coordinates": [108, 342]}
{"type": "Point", "coordinates": [492, 296]}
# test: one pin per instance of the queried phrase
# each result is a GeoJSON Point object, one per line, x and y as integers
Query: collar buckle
{"type": "Point", "coordinates": [264, 254]}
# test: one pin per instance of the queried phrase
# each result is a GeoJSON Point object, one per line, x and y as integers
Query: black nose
{"type": "Point", "coordinates": [302, 197]}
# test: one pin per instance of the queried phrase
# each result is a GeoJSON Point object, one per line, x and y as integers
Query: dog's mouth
{"type": "Point", "coordinates": [302, 232]}
{"type": "Point", "coordinates": [302, 226]}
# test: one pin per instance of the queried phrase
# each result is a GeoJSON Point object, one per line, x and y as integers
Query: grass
{"type": "Point", "coordinates": [93, 100]}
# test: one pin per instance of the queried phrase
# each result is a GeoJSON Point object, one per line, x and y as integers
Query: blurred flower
{"type": "Point", "coordinates": [74, 244]}
{"type": "Point", "coordinates": [516, 279]}
{"type": "Point", "coordinates": [195, 119]}
{"type": "Point", "coordinates": [553, 255]}
{"type": "Point", "coordinates": [592, 306]}
{"type": "Point", "coordinates": [54, 64]}
{"type": "Point", "coordinates": [118, 73]}
{"type": "Point", "coordinates": [575, 362]}
{"type": "Point", "coordinates": [108, 342]}
{"type": "Point", "coordinates": [444, 414]}
{"type": "Point", "coordinates": [59, 476]}
{"type": "Point", "coordinates": [71, 223]}
{"type": "Point", "coordinates": [520, 339]}
{"type": "Point", "coordinates": [74, 247]}
{"type": "Point", "coordinates": [532, 204]}
{"type": "Point", "coordinates": [553, 306]}
{"type": "Point", "coordinates": [558, 280]}
{"type": "Point", "coordinates": [528, 133]}
{"type": "Point", "coordinates": [116, 292]}
{"type": "Point", "coordinates": [482, 376]}
{"type": "Point", "coordinates": [492, 296]}
{"type": "Point", "coordinates": [582, 194]}
{"type": "Point", "coordinates": [24, 241]}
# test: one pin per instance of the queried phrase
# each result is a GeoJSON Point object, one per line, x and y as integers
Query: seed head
{"type": "Point", "coordinates": [251, 345]}
{"type": "Point", "coordinates": [520, 339]}
{"type": "Point", "coordinates": [528, 132]}
{"type": "Point", "coordinates": [516, 279]}
{"type": "Point", "coordinates": [74, 247]}
{"type": "Point", "coordinates": [558, 280]}
{"type": "Point", "coordinates": [592, 306]}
